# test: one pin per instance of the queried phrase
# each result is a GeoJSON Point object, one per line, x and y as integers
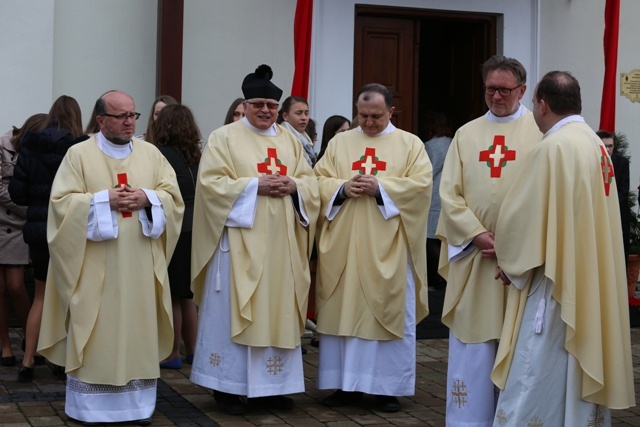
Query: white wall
{"type": "Point", "coordinates": [572, 40]}
{"type": "Point", "coordinates": [75, 48]}
{"type": "Point", "coordinates": [627, 112]}
{"type": "Point", "coordinates": [333, 43]}
{"type": "Point", "coordinates": [26, 49]}
{"type": "Point", "coordinates": [226, 40]}
{"type": "Point", "coordinates": [103, 45]}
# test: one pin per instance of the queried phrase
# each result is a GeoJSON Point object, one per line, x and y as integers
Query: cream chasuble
{"type": "Point", "coordinates": [107, 310]}
{"type": "Point", "coordinates": [250, 262]}
{"type": "Point", "coordinates": [371, 279]}
{"type": "Point", "coordinates": [562, 217]}
{"type": "Point", "coordinates": [483, 158]}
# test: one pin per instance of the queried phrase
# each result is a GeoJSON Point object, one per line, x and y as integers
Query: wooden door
{"type": "Point", "coordinates": [385, 53]}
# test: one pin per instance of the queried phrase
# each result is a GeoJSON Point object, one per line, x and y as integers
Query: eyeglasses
{"type": "Point", "coordinates": [123, 116]}
{"type": "Point", "coordinates": [504, 91]}
{"type": "Point", "coordinates": [259, 105]}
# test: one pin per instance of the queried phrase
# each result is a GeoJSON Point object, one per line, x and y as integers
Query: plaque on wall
{"type": "Point", "coordinates": [630, 85]}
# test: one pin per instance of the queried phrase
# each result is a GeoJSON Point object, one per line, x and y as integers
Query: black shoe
{"type": "Point", "coordinates": [8, 361]}
{"type": "Point", "coordinates": [58, 371]}
{"type": "Point", "coordinates": [343, 398]}
{"type": "Point", "coordinates": [272, 402]}
{"type": "Point", "coordinates": [143, 422]}
{"type": "Point", "coordinates": [230, 404]}
{"type": "Point", "coordinates": [24, 374]}
{"type": "Point", "coordinates": [388, 403]}
{"type": "Point", "coordinates": [39, 360]}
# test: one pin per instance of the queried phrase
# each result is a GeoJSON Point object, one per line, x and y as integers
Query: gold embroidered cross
{"type": "Point", "coordinates": [459, 394]}
{"type": "Point", "coordinates": [535, 422]}
{"type": "Point", "coordinates": [501, 417]}
{"type": "Point", "coordinates": [596, 419]}
{"type": "Point", "coordinates": [215, 359]}
{"type": "Point", "coordinates": [274, 365]}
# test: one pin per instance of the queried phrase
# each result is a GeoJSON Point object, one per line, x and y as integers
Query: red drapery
{"type": "Point", "coordinates": [302, 47]}
{"type": "Point", "coordinates": [609, 90]}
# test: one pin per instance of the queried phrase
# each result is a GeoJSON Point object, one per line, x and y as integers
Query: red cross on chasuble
{"type": "Point", "coordinates": [497, 156]}
{"type": "Point", "coordinates": [607, 170]}
{"type": "Point", "coordinates": [122, 180]}
{"type": "Point", "coordinates": [369, 164]}
{"type": "Point", "coordinates": [272, 164]}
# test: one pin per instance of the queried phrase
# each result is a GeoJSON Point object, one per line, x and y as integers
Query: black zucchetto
{"type": "Point", "coordinates": [258, 84]}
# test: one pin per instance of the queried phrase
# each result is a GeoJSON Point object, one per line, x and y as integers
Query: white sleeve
{"type": "Point", "coordinates": [152, 227]}
{"type": "Point", "coordinates": [388, 209]}
{"type": "Point", "coordinates": [458, 252]}
{"type": "Point", "coordinates": [103, 224]}
{"type": "Point", "coordinates": [243, 211]}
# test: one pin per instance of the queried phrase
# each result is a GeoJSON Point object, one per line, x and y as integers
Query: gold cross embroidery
{"type": "Point", "coordinates": [535, 422]}
{"type": "Point", "coordinates": [501, 417]}
{"type": "Point", "coordinates": [215, 359]}
{"type": "Point", "coordinates": [596, 419]}
{"type": "Point", "coordinates": [459, 394]}
{"type": "Point", "coordinates": [274, 365]}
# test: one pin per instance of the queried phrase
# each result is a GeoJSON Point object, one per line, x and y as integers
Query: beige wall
{"type": "Point", "coordinates": [226, 40]}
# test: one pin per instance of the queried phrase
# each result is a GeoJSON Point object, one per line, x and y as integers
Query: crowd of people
{"type": "Point", "coordinates": [236, 245]}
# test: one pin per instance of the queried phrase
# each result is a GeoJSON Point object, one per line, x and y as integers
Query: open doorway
{"type": "Point", "coordinates": [430, 59]}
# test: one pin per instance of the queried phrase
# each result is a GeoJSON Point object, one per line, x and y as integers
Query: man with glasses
{"type": "Point", "coordinates": [482, 161]}
{"type": "Point", "coordinates": [254, 219]}
{"type": "Point", "coordinates": [114, 219]}
{"type": "Point", "coordinates": [375, 186]}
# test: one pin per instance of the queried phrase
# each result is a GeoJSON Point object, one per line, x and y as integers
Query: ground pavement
{"type": "Point", "coordinates": [181, 403]}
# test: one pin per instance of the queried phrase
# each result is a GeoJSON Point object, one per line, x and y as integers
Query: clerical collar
{"type": "Point", "coordinates": [115, 151]}
{"type": "Point", "coordinates": [574, 118]}
{"type": "Point", "coordinates": [272, 131]}
{"type": "Point", "coordinates": [390, 128]}
{"type": "Point", "coordinates": [522, 110]}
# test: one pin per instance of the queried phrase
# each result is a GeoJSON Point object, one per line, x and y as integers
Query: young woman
{"type": "Point", "coordinates": [40, 156]}
{"type": "Point", "coordinates": [157, 106]}
{"type": "Point", "coordinates": [178, 138]}
{"type": "Point", "coordinates": [294, 116]}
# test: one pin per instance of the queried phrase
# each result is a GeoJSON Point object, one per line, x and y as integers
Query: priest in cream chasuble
{"type": "Point", "coordinates": [114, 220]}
{"type": "Point", "coordinates": [483, 159]}
{"type": "Point", "coordinates": [255, 211]}
{"type": "Point", "coordinates": [564, 357]}
{"type": "Point", "coordinates": [375, 186]}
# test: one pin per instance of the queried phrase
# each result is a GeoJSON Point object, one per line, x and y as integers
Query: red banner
{"type": "Point", "coordinates": [609, 90]}
{"type": "Point", "coordinates": [302, 48]}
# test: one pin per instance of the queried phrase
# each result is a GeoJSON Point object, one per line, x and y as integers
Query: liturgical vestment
{"type": "Point", "coordinates": [564, 356]}
{"type": "Point", "coordinates": [371, 277]}
{"type": "Point", "coordinates": [107, 310]}
{"type": "Point", "coordinates": [250, 262]}
{"type": "Point", "coordinates": [483, 159]}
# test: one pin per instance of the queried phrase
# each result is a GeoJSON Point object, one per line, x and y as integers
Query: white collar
{"type": "Point", "coordinates": [113, 150]}
{"type": "Point", "coordinates": [271, 131]}
{"type": "Point", "coordinates": [390, 128]}
{"type": "Point", "coordinates": [522, 110]}
{"type": "Point", "coordinates": [568, 119]}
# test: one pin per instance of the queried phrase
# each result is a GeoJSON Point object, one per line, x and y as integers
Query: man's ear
{"type": "Point", "coordinates": [543, 107]}
{"type": "Point", "coordinates": [391, 110]}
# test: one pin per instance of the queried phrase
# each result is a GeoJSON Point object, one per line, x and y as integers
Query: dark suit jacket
{"type": "Point", "coordinates": [621, 170]}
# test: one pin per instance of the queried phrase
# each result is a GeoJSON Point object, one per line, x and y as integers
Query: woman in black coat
{"type": "Point", "coordinates": [178, 138]}
{"type": "Point", "coordinates": [40, 156]}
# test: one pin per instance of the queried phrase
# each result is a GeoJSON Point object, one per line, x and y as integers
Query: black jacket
{"type": "Point", "coordinates": [40, 156]}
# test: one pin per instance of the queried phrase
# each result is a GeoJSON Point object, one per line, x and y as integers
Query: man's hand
{"type": "Point", "coordinates": [276, 186]}
{"type": "Point", "coordinates": [360, 185]}
{"type": "Point", "coordinates": [127, 199]}
{"type": "Point", "coordinates": [485, 242]}
{"type": "Point", "coordinates": [500, 275]}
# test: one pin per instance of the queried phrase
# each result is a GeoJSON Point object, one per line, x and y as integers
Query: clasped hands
{"type": "Point", "coordinates": [276, 186]}
{"type": "Point", "coordinates": [486, 242]}
{"type": "Point", "coordinates": [127, 199]}
{"type": "Point", "coordinates": [360, 185]}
